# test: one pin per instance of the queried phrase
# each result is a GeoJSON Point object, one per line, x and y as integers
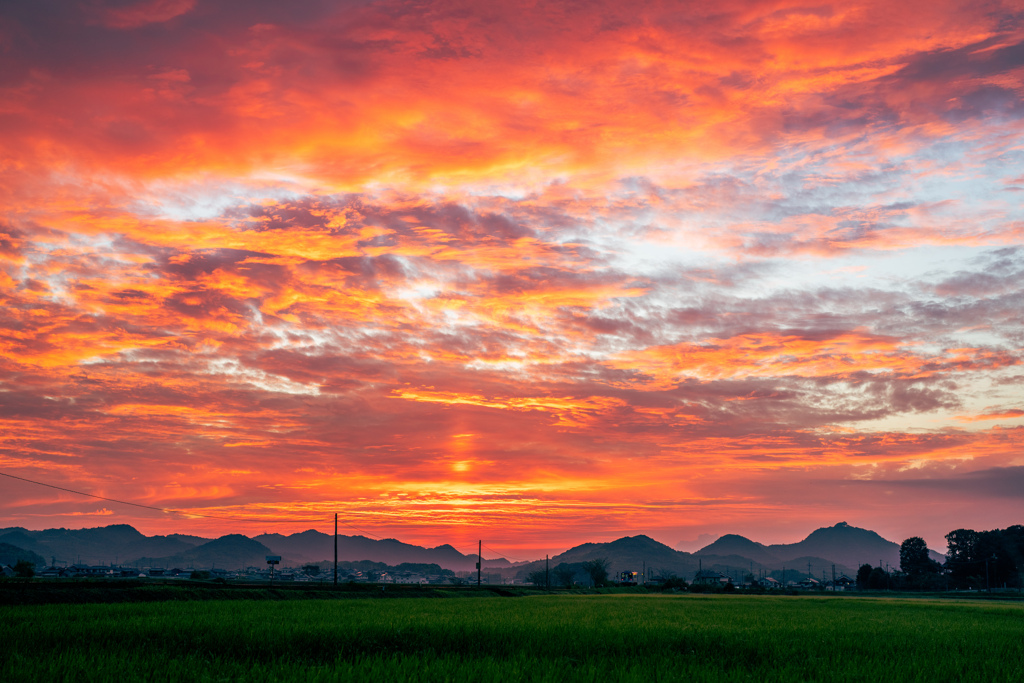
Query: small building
{"type": "Point", "coordinates": [842, 583]}
{"type": "Point", "coordinates": [708, 577]}
{"type": "Point", "coordinates": [91, 570]}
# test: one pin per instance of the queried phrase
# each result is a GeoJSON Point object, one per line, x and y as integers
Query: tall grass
{"type": "Point", "coordinates": [549, 638]}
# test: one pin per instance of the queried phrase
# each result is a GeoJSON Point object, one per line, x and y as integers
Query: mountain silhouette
{"type": "Point", "coordinates": [846, 546]}
{"type": "Point", "coordinates": [630, 553]}
{"type": "Point", "coordinates": [233, 551]}
{"type": "Point", "coordinates": [117, 543]}
{"type": "Point", "coordinates": [843, 545]}
{"type": "Point", "coordinates": [10, 555]}
{"type": "Point", "coordinates": [315, 546]}
{"type": "Point", "coordinates": [734, 545]}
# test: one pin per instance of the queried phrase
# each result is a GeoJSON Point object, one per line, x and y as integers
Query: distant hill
{"type": "Point", "coordinates": [630, 553]}
{"type": "Point", "coordinates": [696, 544]}
{"type": "Point", "coordinates": [123, 544]}
{"type": "Point", "coordinates": [233, 551]}
{"type": "Point", "coordinates": [315, 546]}
{"type": "Point", "coordinates": [101, 545]}
{"type": "Point", "coordinates": [10, 555]}
{"type": "Point", "coordinates": [735, 545]}
{"type": "Point", "coordinates": [842, 544]}
{"type": "Point", "coordinates": [846, 546]}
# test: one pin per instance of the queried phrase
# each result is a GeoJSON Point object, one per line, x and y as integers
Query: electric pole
{"type": "Point", "coordinates": [335, 549]}
{"type": "Point", "coordinates": [479, 560]}
{"type": "Point", "coordinates": [547, 573]}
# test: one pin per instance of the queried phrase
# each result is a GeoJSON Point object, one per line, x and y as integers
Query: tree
{"type": "Point", "coordinates": [538, 578]}
{"type": "Point", "coordinates": [914, 559]}
{"type": "Point", "coordinates": [983, 558]}
{"type": "Point", "coordinates": [597, 570]}
{"type": "Point", "coordinates": [673, 582]}
{"type": "Point", "coordinates": [311, 569]}
{"type": "Point", "coordinates": [919, 571]}
{"type": "Point", "coordinates": [862, 576]}
{"type": "Point", "coordinates": [564, 575]}
{"type": "Point", "coordinates": [878, 579]}
{"type": "Point", "coordinates": [25, 569]}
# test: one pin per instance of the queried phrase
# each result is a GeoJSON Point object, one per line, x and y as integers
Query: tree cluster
{"type": "Point", "coordinates": [984, 559]}
{"type": "Point", "coordinates": [569, 574]}
{"type": "Point", "coordinates": [975, 559]}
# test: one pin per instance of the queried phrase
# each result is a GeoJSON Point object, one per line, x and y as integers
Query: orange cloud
{"type": "Point", "coordinates": [463, 266]}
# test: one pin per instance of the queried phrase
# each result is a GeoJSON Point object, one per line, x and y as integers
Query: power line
{"type": "Point", "coordinates": [160, 509]}
{"type": "Point", "coordinates": [507, 557]}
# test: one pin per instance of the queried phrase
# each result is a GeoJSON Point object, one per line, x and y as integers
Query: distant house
{"type": "Point", "coordinates": [710, 578]}
{"type": "Point", "coordinates": [808, 584]}
{"type": "Point", "coordinates": [842, 583]}
{"type": "Point", "coordinates": [90, 570]}
{"type": "Point", "coordinates": [6, 572]}
{"type": "Point", "coordinates": [769, 582]}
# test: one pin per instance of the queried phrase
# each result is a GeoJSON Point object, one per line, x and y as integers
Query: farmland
{"type": "Point", "coordinates": [537, 638]}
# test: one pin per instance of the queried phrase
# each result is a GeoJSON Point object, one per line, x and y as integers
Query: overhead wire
{"type": "Point", "coordinates": [507, 557]}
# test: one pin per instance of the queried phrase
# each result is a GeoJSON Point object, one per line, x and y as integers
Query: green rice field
{"type": "Point", "coordinates": [538, 638]}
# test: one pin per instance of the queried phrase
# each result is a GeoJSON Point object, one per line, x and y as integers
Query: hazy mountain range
{"type": "Point", "coordinates": [843, 545]}
{"type": "Point", "coordinates": [123, 544]}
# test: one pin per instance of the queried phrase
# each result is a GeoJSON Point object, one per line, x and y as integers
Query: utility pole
{"type": "Point", "coordinates": [643, 581]}
{"type": "Point", "coordinates": [335, 549]}
{"type": "Point", "coordinates": [479, 560]}
{"type": "Point", "coordinates": [547, 573]}
{"type": "Point", "coordinates": [833, 577]}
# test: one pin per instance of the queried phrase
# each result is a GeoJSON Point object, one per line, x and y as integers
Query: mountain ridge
{"type": "Point", "coordinates": [843, 545]}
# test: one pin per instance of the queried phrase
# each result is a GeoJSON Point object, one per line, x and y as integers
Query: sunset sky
{"type": "Point", "coordinates": [536, 273]}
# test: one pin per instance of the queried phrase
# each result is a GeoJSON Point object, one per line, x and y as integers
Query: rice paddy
{"type": "Point", "coordinates": [538, 638]}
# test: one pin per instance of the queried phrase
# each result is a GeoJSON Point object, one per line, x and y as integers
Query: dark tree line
{"type": "Point", "coordinates": [982, 559]}
{"type": "Point", "coordinates": [975, 559]}
{"type": "Point", "coordinates": [567, 575]}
